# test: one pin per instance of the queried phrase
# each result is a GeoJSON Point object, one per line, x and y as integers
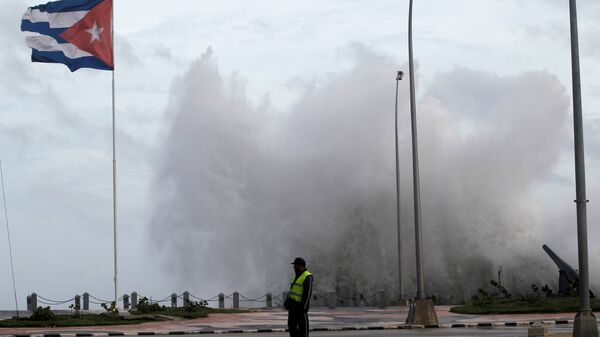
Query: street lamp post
{"type": "Point", "coordinates": [422, 311]}
{"type": "Point", "coordinates": [399, 75]}
{"type": "Point", "coordinates": [585, 322]}
{"type": "Point", "coordinates": [415, 161]}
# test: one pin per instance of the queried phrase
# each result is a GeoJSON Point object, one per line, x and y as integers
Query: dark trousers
{"type": "Point", "coordinates": [298, 323]}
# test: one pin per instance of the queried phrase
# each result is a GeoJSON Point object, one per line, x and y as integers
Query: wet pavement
{"type": "Point", "coordinates": [320, 318]}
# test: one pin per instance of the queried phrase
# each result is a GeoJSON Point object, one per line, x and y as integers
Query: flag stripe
{"type": "Point", "coordinates": [73, 64]}
{"type": "Point", "coordinates": [67, 6]}
{"type": "Point", "coordinates": [44, 29]}
{"type": "Point", "coordinates": [46, 43]}
{"type": "Point", "coordinates": [55, 20]}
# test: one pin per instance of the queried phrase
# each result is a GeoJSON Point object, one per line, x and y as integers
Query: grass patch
{"type": "Point", "coordinates": [525, 306]}
{"type": "Point", "coordinates": [66, 321]}
{"type": "Point", "coordinates": [189, 311]}
{"type": "Point", "coordinates": [45, 318]}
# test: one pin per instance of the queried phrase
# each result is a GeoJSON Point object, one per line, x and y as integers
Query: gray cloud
{"type": "Point", "coordinates": [590, 43]}
{"type": "Point", "coordinates": [548, 31]}
{"type": "Point", "coordinates": [592, 134]}
{"type": "Point", "coordinates": [126, 52]}
{"type": "Point", "coordinates": [163, 52]}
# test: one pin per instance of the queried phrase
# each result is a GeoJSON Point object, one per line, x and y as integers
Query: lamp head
{"type": "Point", "coordinates": [399, 75]}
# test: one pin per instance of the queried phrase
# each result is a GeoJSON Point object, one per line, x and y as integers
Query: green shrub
{"type": "Point", "coordinates": [144, 306]}
{"type": "Point", "coordinates": [192, 306]}
{"type": "Point", "coordinates": [112, 309]}
{"type": "Point", "coordinates": [500, 288]}
{"type": "Point", "coordinates": [42, 314]}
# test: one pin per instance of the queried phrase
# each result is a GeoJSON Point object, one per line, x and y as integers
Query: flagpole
{"type": "Point", "coordinates": [112, 36]}
{"type": "Point", "coordinates": [12, 268]}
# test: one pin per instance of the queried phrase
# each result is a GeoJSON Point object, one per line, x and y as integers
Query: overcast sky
{"type": "Point", "coordinates": [55, 126]}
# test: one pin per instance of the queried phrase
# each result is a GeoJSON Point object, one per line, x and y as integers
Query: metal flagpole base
{"type": "Point", "coordinates": [585, 324]}
{"type": "Point", "coordinates": [422, 312]}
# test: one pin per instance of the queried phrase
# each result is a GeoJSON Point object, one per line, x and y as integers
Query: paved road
{"type": "Point", "coordinates": [496, 332]}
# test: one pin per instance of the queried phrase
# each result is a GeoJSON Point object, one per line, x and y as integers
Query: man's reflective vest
{"type": "Point", "coordinates": [297, 286]}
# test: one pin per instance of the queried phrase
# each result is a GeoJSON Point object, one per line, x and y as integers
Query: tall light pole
{"type": "Point", "coordinates": [585, 322]}
{"type": "Point", "coordinates": [415, 161]}
{"type": "Point", "coordinates": [399, 75]}
{"type": "Point", "coordinates": [422, 311]}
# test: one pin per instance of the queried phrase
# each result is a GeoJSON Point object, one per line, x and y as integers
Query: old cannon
{"type": "Point", "coordinates": [568, 277]}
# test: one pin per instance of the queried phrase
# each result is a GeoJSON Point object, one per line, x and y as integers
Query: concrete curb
{"type": "Point", "coordinates": [480, 325]}
{"type": "Point", "coordinates": [504, 324]}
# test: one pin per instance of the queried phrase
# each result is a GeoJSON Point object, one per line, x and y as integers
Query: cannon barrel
{"type": "Point", "coordinates": [562, 265]}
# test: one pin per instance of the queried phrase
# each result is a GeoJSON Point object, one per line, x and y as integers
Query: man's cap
{"type": "Point", "coordinates": [299, 261]}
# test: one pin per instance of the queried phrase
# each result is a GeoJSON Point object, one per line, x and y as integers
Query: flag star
{"type": "Point", "coordinates": [95, 33]}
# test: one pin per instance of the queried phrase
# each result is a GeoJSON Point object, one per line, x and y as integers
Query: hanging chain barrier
{"type": "Point", "coordinates": [330, 299]}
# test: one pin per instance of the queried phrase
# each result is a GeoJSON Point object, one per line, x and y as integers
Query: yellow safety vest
{"type": "Point", "coordinates": [297, 288]}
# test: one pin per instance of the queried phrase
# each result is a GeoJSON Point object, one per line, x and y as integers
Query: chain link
{"type": "Point", "coordinates": [168, 298]}
{"type": "Point", "coordinates": [49, 300]}
{"type": "Point", "coordinates": [216, 298]}
{"type": "Point", "coordinates": [99, 299]}
{"type": "Point", "coordinates": [202, 299]}
{"type": "Point", "coordinates": [52, 302]}
{"type": "Point", "coordinates": [258, 299]}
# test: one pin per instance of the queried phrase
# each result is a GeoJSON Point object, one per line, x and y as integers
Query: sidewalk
{"type": "Point", "coordinates": [321, 319]}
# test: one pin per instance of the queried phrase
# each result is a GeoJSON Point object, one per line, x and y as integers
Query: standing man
{"type": "Point", "coordinates": [298, 301]}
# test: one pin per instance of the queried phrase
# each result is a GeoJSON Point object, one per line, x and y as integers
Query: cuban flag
{"type": "Point", "coordinates": [76, 33]}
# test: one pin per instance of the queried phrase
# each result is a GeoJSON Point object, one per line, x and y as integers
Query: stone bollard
{"type": "Point", "coordinates": [537, 330]}
{"type": "Point", "coordinates": [236, 300]}
{"type": "Point", "coordinates": [77, 303]}
{"type": "Point", "coordinates": [186, 298]}
{"type": "Point", "coordinates": [34, 305]}
{"type": "Point", "coordinates": [269, 297]}
{"type": "Point", "coordinates": [331, 299]}
{"type": "Point", "coordinates": [173, 300]}
{"type": "Point", "coordinates": [221, 301]}
{"type": "Point", "coordinates": [134, 300]}
{"type": "Point", "coordinates": [86, 301]}
{"type": "Point", "coordinates": [126, 305]}
{"type": "Point", "coordinates": [382, 298]}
